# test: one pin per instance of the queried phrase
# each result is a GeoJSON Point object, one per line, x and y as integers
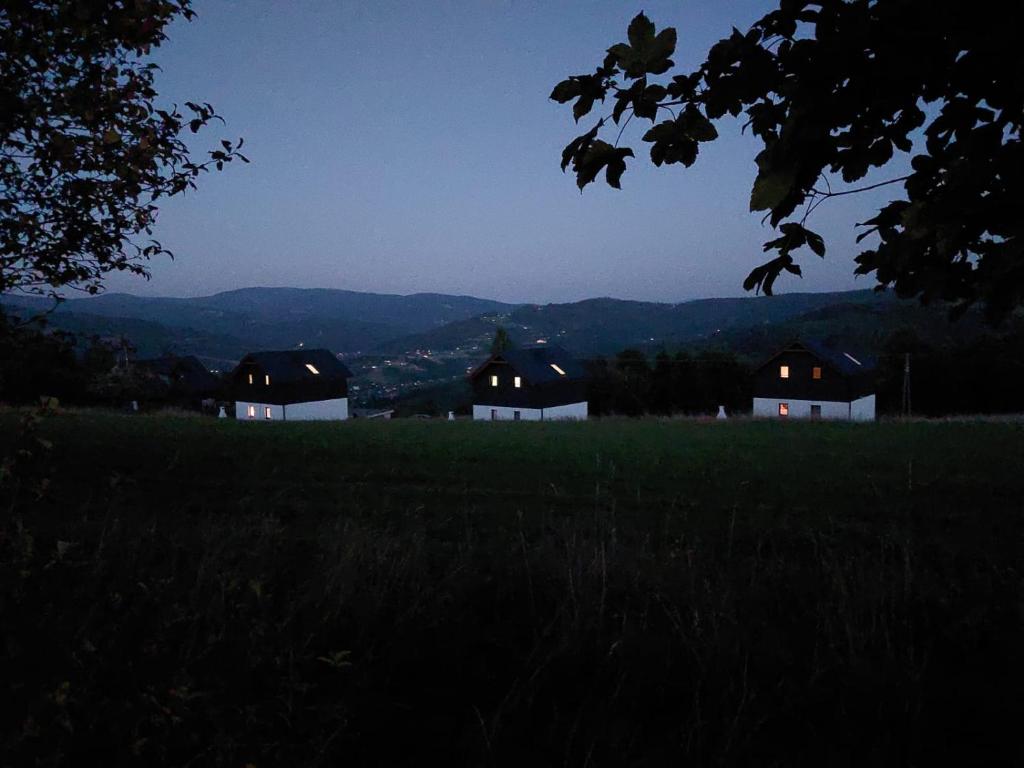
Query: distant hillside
{"type": "Point", "coordinates": [396, 342]}
{"type": "Point", "coordinates": [606, 326]}
{"type": "Point", "coordinates": [860, 326]}
{"type": "Point", "coordinates": [344, 321]}
{"type": "Point", "coordinates": [150, 339]}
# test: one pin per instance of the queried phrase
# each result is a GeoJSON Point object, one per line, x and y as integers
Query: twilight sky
{"type": "Point", "coordinates": [401, 147]}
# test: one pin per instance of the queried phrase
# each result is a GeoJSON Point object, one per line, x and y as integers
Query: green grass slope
{"type": "Point", "coordinates": [187, 591]}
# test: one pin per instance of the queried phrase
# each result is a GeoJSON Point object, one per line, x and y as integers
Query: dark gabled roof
{"type": "Point", "coordinates": [186, 373]}
{"type": "Point", "coordinates": [846, 362]}
{"type": "Point", "coordinates": [534, 364]}
{"type": "Point", "coordinates": [289, 366]}
{"type": "Point", "coordinates": [843, 362]}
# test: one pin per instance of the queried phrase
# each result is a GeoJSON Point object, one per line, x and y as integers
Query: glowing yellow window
{"type": "Point", "coordinates": [783, 409]}
{"type": "Point", "coordinates": [517, 382]}
{"type": "Point", "coordinates": [266, 412]}
{"type": "Point", "coordinates": [252, 408]}
{"type": "Point", "coordinates": [783, 371]}
{"type": "Point", "coordinates": [494, 381]}
{"type": "Point", "coordinates": [558, 370]}
{"type": "Point", "coordinates": [266, 379]}
{"type": "Point", "coordinates": [312, 369]}
{"type": "Point", "coordinates": [250, 378]}
{"type": "Point", "coordinates": [816, 372]}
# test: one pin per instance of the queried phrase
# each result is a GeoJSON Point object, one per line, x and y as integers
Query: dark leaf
{"type": "Point", "coordinates": [770, 189]}
{"type": "Point", "coordinates": [566, 91]}
{"type": "Point", "coordinates": [816, 243]}
{"type": "Point", "coordinates": [641, 31]}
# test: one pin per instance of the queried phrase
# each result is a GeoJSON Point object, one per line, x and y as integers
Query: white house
{"type": "Point", "coordinates": [293, 385]}
{"type": "Point", "coordinates": [805, 380]}
{"type": "Point", "coordinates": [536, 383]}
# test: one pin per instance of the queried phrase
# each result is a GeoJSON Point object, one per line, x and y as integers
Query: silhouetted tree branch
{"type": "Point", "coordinates": [840, 86]}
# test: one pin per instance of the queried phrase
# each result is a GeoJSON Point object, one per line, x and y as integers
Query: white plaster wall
{"type": "Point", "coordinates": [318, 410]}
{"type": "Point", "coordinates": [242, 412]}
{"type": "Point", "coordinates": [570, 411]}
{"type": "Point", "coordinates": [507, 413]}
{"type": "Point", "coordinates": [504, 413]}
{"type": "Point", "coordinates": [768, 407]}
{"type": "Point", "coordinates": [863, 409]}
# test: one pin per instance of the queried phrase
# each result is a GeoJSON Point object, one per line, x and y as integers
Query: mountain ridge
{"type": "Point", "coordinates": [355, 323]}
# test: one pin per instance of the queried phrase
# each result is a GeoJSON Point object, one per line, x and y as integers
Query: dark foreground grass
{"type": "Point", "coordinates": [647, 593]}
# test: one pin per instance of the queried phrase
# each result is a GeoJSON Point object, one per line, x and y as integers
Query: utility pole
{"type": "Point", "coordinates": [906, 385]}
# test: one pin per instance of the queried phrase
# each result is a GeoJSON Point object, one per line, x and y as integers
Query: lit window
{"type": "Point", "coordinates": [266, 412]}
{"type": "Point", "coordinates": [518, 382]}
{"type": "Point", "coordinates": [816, 372]}
{"type": "Point", "coordinates": [558, 370]}
{"type": "Point", "coordinates": [312, 369]}
{"type": "Point", "coordinates": [783, 371]}
{"type": "Point", "coordinates": [252, 408]}
{"type": "Point", "coordinates": [783, 409]}
{"type": "Point", "coordinates": [266, 379]}
{"type": "Point", "coordinates": [250, 378]}
{"type": "Point", "coordinates": [494, 380]}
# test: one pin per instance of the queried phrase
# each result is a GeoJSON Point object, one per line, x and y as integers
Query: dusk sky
{"type": "Point", "coordinates": [401, 147]}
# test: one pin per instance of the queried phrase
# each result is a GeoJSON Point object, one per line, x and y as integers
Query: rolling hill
{"type": "Point", "coordinates": [416, 334]}
{"type": "Point", "coordinates": [605, 326]}
{"type": "Point", "coordinates": [344, 321]}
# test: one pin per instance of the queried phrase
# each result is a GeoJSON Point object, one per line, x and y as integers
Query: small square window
{"type": "Point", "coordinates": [816, 372]}
{"type": "Point", "coordinates": [266, 413]}
{"type": "Point", "coordinates": [783, 371]}
{"type": "Point", "coordinates": [494, 380]}
{"type": "Point", "coordinates": [252, 410]}
{"type": "Point", "coordinates": [783, 409]}
{"type": "Point", "coordinates": [517, 382]}
{"type": "Point", "coordinates": [266, 380]}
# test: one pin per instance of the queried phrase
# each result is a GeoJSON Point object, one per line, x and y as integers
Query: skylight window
{"type": "Point", "coordinates": [851, 357]}
{"type": "Point", "coordinates": [558, 370]}
{"type": "Point", "coordinates": [312, 369]}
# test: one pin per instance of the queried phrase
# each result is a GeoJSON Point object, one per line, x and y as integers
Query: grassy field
{"type": "Point", "coordinates": [185, 591]}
